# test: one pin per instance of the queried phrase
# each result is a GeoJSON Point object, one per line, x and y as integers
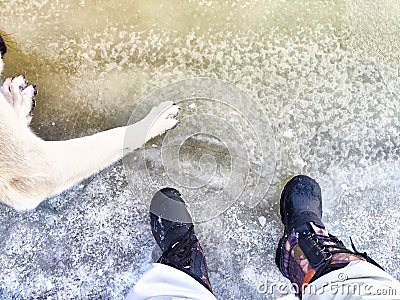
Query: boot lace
{"type": "Point", "coordinates": [179, 255]}
{"type": "Point", "coordinates": [327, 247]}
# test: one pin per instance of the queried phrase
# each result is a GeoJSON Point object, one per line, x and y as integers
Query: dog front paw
{"type": "Point", "coordinates": [162, 118]}
{"type": "Point", "coordinates": [20, 96]}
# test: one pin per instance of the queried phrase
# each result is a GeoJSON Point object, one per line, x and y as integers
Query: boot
{"type": "Point", "coordinates": [173, 229]}
{"type": "Point", "coordinates": [306, 250]}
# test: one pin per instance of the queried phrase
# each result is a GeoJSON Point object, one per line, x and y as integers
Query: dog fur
{"type": "Point", "coordinates": [32, 169]}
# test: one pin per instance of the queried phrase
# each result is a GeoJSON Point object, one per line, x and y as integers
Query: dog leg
{"type": "Point", "coordinates": [33, 169]}
{"type": "Point", "coordinates": [76, 159]}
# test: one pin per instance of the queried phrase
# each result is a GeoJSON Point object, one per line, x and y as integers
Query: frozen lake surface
{"type": "Point", "coordinates": [320, 83]}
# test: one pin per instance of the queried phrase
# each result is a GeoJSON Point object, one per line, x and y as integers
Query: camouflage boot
{"type": "Point", "coordinates": [306, 250]}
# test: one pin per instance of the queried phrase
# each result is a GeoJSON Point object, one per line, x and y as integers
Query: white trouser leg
{"type": "Point", "coordinates": [358, 280]}
{"type": "Point", "coordinates": [162, 282]}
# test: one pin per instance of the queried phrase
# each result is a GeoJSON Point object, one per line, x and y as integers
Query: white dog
{"type": "Point", "coordinates": [32, 169]}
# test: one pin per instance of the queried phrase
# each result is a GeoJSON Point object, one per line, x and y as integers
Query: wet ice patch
{"type": "Point", "coordinates": [223, 150]}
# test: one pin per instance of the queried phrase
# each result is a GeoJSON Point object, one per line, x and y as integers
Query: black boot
{"type": "Point", "coordinates": [306, 250]}
{"type": "Point", "coordinates": [172, 227]}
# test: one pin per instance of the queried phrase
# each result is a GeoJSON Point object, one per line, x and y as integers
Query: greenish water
{"type": "Point", "coordinates": [325, 74]}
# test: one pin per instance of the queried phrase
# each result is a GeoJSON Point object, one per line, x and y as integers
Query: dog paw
{"type": "Point", "coordinates": [162, 118]}
{"type": "Point", "coordinates": [20, 96]}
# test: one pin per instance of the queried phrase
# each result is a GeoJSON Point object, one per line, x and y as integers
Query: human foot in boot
{"type": "Point", "coordinates": [306, 250]}
{"type": "Point", "coordinates": [173, 229]}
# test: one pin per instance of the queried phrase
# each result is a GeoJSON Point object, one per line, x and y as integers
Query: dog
{"type": "Point", "coordinates": [32, 169]}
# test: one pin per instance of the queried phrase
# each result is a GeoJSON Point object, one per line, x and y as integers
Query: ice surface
{"type": "Point", "coordinates": [325, 73]}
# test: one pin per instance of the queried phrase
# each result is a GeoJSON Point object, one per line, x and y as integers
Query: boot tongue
{"type": "Point", "coordinates": [308, 228]}
{"type": "Point", "coordinates": [311, 249]}
{"type": "Point", "coordinates": [304, 229]}
{"type": "Point", "coordinates": [303, 218]}
{"type": "Point", "coordinates": [175, 234]}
